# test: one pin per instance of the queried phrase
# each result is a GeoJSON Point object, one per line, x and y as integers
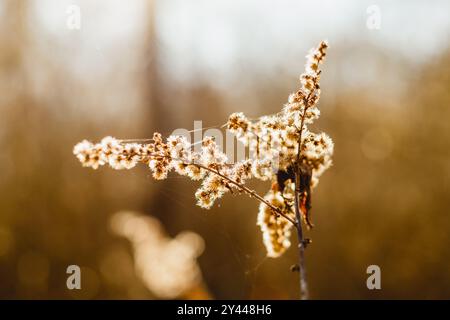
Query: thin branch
{"type": "Point", "coordinates": [237, 184]}
{"type": "Point", "coordinates": [249, 191]}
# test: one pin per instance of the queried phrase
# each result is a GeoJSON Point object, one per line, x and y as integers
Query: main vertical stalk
{"type": "Point", "coordinates": [301, 241]}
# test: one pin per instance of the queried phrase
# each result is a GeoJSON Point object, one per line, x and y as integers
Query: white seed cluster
{"type": "Point", "coordinates": [210, 164]}
{"type": "Point", "coordinates": [273, 142]}
{"type": "Point", "coordinates": [274, 139]}
{"type": "Point", "coordinates": [275, 229]}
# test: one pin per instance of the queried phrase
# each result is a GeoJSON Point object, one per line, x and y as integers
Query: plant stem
{"type": "Point", "coordinates": [240, 186]}
{"type": "Point", "coordinates": [301, 241]}
{"type": "Point", "coordinates": [250, 192]}
{"type": "Point", "coordinates": [304, 294]}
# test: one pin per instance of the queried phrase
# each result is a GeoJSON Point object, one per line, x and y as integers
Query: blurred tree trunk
{"type": "Point", "coordinates": [158, 112]}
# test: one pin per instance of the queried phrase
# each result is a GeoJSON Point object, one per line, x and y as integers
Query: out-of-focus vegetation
{"type": "Point", "coordinates": [385, 201]}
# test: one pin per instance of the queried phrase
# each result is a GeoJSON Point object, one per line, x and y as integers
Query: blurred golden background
{"type": "Point", "coordinates": [134, 67]}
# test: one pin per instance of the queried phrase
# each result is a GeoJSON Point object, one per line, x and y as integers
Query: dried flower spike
{"type": "Point", "coordinates": [281, 149]}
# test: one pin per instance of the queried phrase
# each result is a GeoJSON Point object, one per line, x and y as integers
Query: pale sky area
{"type": "Point", "coordinates": [215, 38]}
{"type": "Point", "coordinates": [218, 33]}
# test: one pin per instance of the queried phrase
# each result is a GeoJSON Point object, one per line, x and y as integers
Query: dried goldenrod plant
{"type": "Point", "coordinates": [281, 150]}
